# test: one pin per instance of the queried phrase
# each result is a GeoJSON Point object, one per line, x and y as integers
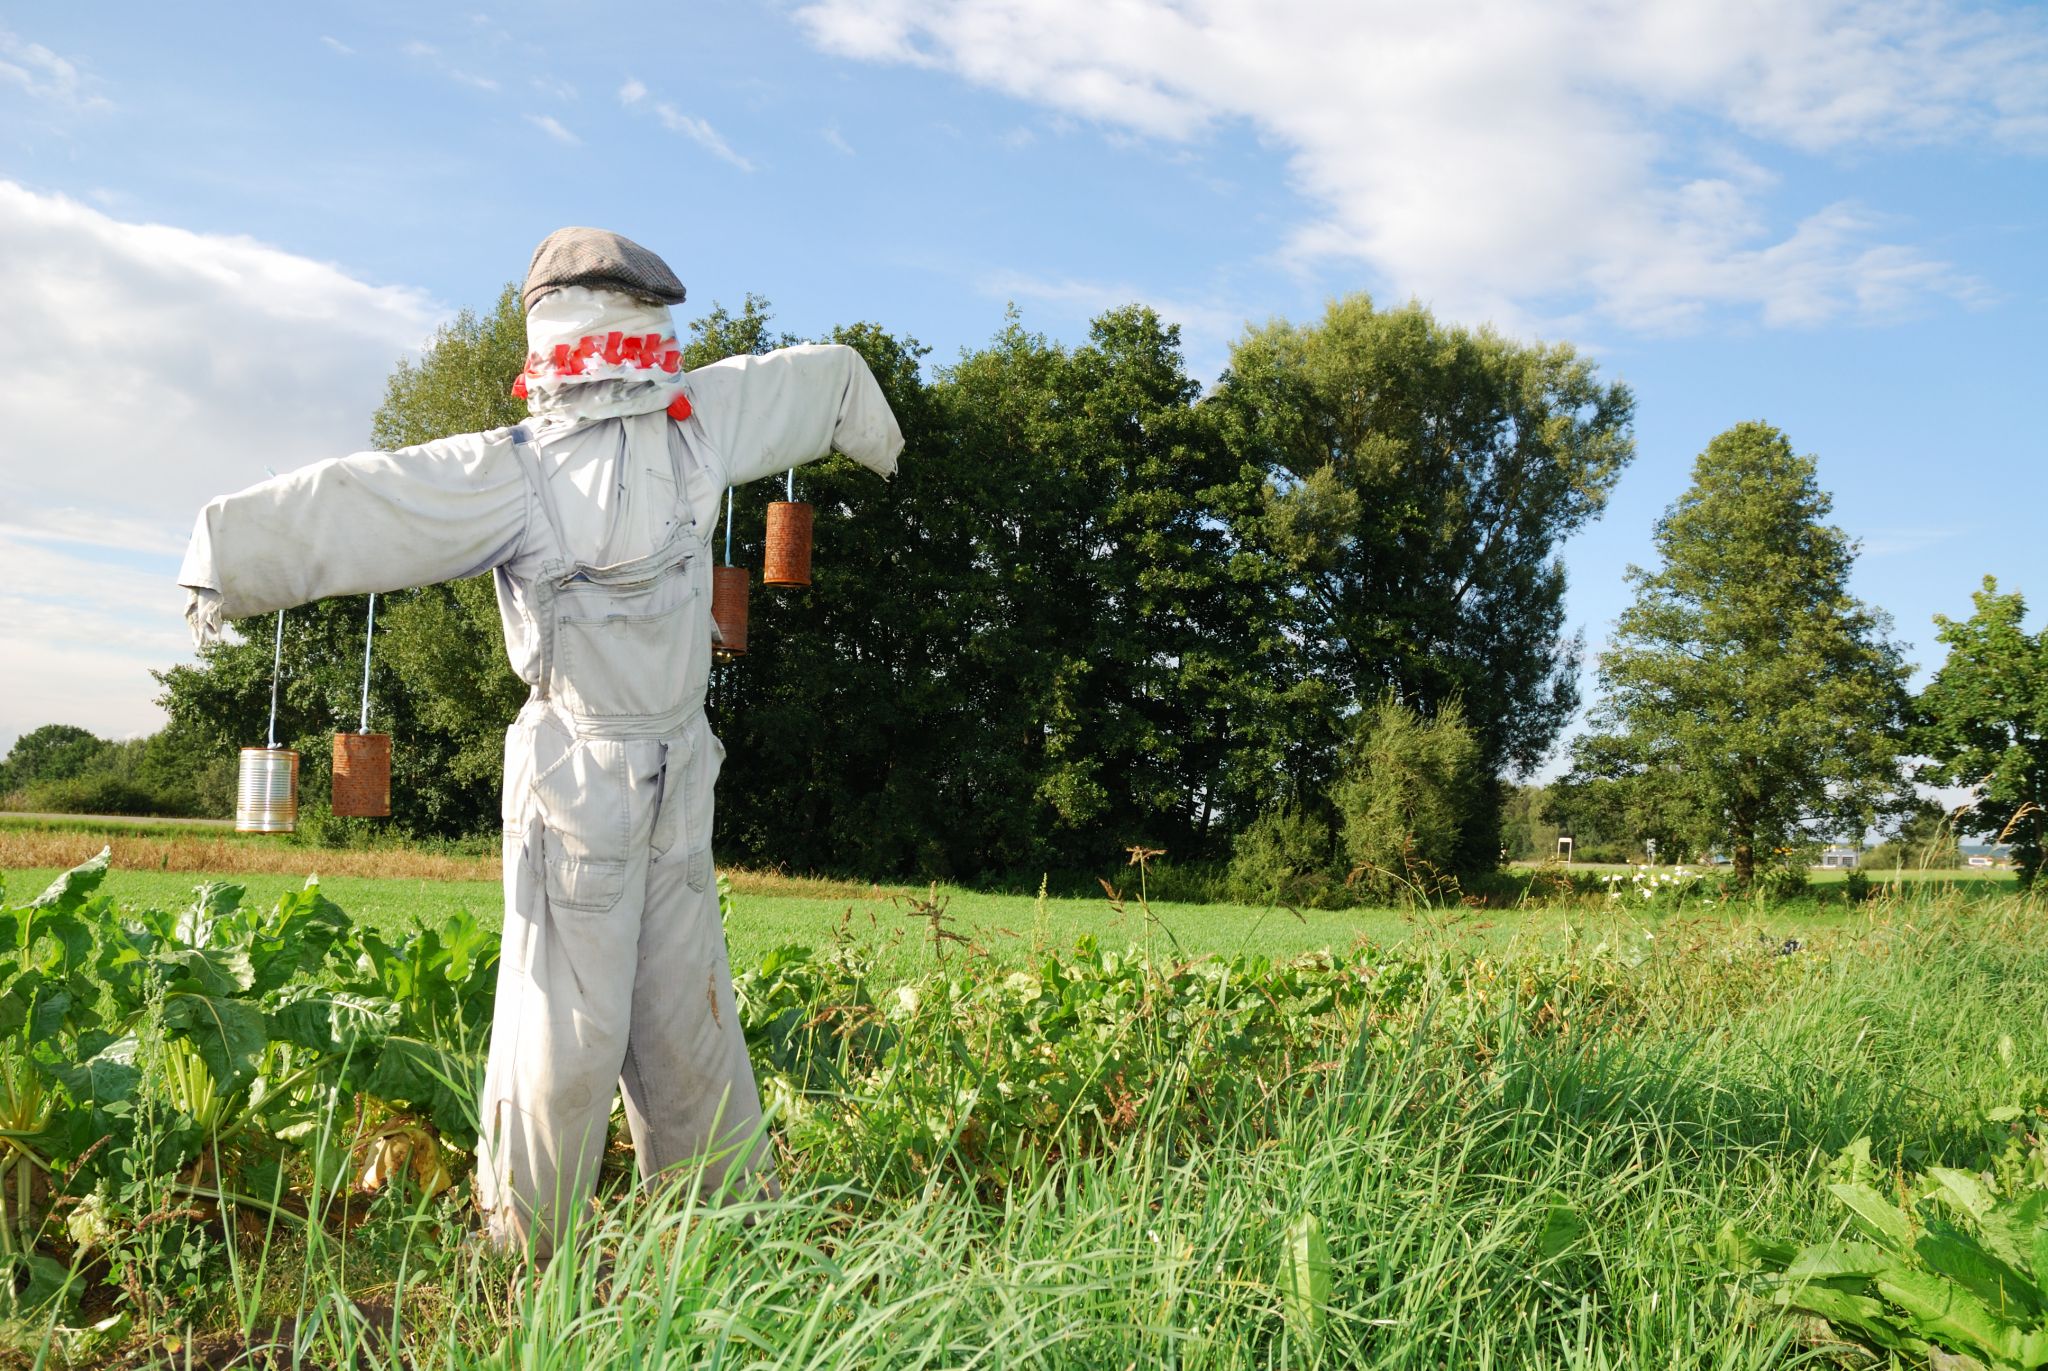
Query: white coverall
{"type": "Point", "coordinates": [596, 517]}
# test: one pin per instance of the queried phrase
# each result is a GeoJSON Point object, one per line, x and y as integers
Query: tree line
{"type": "Point", "coordinates": [1302, 628]}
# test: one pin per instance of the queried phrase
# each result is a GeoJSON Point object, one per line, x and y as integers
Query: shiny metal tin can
{"type": "Point", "coordinates": [267, 791]}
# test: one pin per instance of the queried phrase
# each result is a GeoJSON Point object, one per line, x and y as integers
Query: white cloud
{"type": "Point", "coordinates": [337, 46]}
{"type": "Point", "coordinates": [552, 127]}
{"type": "Point", "coordinates": [167, 365]}
{"type": "Point", "coordinates": [836, 140]}
{"type": "Point", "coordinates": [698, 131]}
{"type": "Point", "coordinates": [156, 367]}
{"type": "Point", "coordinates": [97, 528]}
{"type": "Point", "coordinates": [1517, 161]}
{"type": "Point", "coordinates": [80, 636]}
{"type": "Point", "coordinates": [44, 75]}
{"type": "Point", "coordinates": [431, 55]}
{"type": "Point", "coordinates": [555, 88]}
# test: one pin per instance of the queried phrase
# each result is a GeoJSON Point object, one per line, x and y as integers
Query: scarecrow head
{"type": "Point", "coordinates": [598, 330]}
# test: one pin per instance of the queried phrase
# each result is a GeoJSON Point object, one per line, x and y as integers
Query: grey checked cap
{"type": "Point", "coordinates": [602, 260]}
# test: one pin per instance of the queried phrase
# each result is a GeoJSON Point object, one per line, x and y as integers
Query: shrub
{"type": "Point", "coordinates": [1856, 887]}
{"type": "Point", "coordinates": [1406, 797]}
{"type": "Point", "coordinates": [1780, 883]}
{"type": "Point", "coordinates": [87, 775]}
{"type": "Point", "coordinates": [1285, 854]}
{"type": "Point", "coordinates": [98, 793]}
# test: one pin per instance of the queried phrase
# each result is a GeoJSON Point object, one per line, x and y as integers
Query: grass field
{"type": "Point", "coordinates": [1515, 1137]}
{"type": "Point", "coordinates": [1516, 1140]}
{"type": "Point", "coordinates": [884, 925]}
{"type": "Point", "coordinates": [388, 888]}
{"type": "Point", "coordinates": [883, 921]}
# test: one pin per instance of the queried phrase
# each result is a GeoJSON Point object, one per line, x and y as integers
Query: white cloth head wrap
{"type": "Point", "coordinates": [596, 354]}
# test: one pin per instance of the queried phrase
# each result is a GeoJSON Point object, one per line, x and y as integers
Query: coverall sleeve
{"type": "Point", "coordinates": [794, 405]}
{"type": "Point", "coordinates": [377, 521]}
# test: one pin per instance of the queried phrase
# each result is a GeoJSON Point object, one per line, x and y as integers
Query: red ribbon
{"type": "Point", "coordinates": [646, 353]}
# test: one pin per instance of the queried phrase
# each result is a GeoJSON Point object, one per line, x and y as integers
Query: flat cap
{"type": "Point", "coordinates": [602, 260]}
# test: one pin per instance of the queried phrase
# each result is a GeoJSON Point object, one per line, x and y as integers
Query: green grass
{"type": "Point", "coordinates": [1008, 927]}
{"type": "Point", "coordinates": [1516, 1160]}
{"type": "Point", "coordinates": [113, 825]}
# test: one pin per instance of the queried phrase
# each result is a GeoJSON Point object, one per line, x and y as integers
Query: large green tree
{"type": "Point", "coordinates": [1745, 687]}
{"type": "Point", "coordinates": [54, 752]}
{"type": "Point", "coordinates": [1983, 720]}
{"type": "Point", "coordinates": [1419, 478]}
{"type": "Point", "coordinates": [1115, 584]}
{"type": "Point", "coordinates": [1026, 652]}
{"type": "Point", "coordinates": [1615, 808]}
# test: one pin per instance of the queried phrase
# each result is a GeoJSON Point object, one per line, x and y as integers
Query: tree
{"type": "Point", "coordinates": [1022, 655]}
{"type": "Point", "coordinates": [846, 739]}
{"type": "Point", "coordinates": [1605, 818]}
{"type": "Point", "coordinates": [1616, 808]}
{"type": "Point", "coordinates": [1983, 720]}
{"type": "Point", "coordinates": [1417, 480]}
{"type": "Point", "coordinates": [1527, 833]}
{"type": "Point", "coordinates": [1745, 688]}
{"type": "Point", "coordinates": [54, 752]}
{"type": "Point", "coordinates": [67, 770]}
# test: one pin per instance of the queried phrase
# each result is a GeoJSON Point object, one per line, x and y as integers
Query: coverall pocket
{"type": "Point", "coordinates": [581, 883]}
{"type": "Point", "coordinates": [625, 666]}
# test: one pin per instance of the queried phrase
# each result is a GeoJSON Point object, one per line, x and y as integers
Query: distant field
{"type": "Point", "coordinates": [1986, 880]}
{"type": "Point", "coordinates": [1010, 926]}
{"type": "Point", "coordinates": [390, 887]}
{"type": "Point", "coordinates": [109, 822]}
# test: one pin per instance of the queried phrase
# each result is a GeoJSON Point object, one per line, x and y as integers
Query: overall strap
{"type": "Point", "coordinates": [542, 587]}
{"type": "Point", "coordinates": [530, 453]}
{"type": "Point", "coordinates": [659, 427]}
{"type": "Point", "coordinates": [693, 481]}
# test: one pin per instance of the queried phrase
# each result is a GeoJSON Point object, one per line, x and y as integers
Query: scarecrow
{"type": "Point", "coordinates": [595, 517]}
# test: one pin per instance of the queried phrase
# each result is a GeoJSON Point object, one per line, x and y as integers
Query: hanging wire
{"type": "Point", "coordinates": [276, 670]}
{"type": "Point", "coordinates": [728, 525]}
{"type": "Point", "coordinates": [364, 726]}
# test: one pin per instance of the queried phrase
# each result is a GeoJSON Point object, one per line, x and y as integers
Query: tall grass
{"type": "Point", "coordinates": [1522, 1162]}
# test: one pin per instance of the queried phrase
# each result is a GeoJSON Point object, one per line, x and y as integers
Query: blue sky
{"type": "Point", "coordinates": [218, 231]}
